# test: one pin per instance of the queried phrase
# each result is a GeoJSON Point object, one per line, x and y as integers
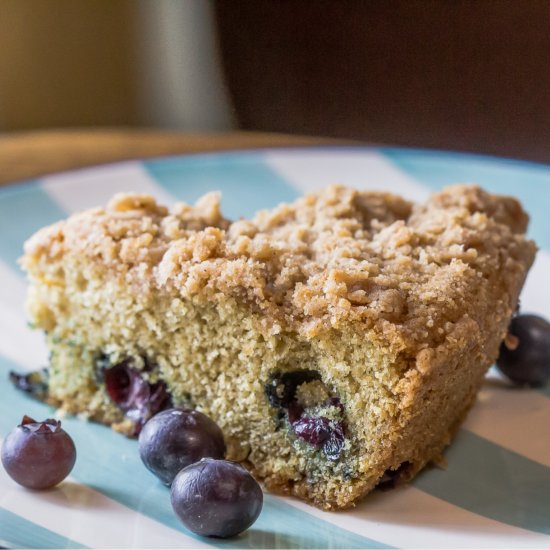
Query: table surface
{"type": "Point", "coordinates": [25, 155]}
{"type": "Point", "coordinates": [494, 492]}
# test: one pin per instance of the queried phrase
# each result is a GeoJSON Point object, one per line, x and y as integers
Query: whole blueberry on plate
{"type": "Point", "coordinates": [175, 438]}
{"type": "Point", "coordinates": [525, 353]}
{"type": "Point", "coordinates": [216, 498]}
{"type": "Point", "coordinates": [38, 455]}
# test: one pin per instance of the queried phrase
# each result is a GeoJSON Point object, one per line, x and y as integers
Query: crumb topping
{"type": "Point", "coordinates": [330, 258]}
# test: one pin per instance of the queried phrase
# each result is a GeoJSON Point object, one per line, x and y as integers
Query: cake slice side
{"type": "Point", "coordinates": [336, 340]}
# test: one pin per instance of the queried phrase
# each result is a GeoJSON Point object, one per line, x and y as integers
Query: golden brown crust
{"type": "Point", "coordinates": [328, 259]}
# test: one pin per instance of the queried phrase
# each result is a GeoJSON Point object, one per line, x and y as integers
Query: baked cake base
{"type": "Point", "coordinates": [338, 342]}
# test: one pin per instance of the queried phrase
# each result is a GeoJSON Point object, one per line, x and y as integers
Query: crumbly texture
{"type": "Point", "coordinates": [399, 308]}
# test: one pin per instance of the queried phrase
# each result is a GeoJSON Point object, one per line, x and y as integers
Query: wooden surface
{"type": "Point", "coordinates": [30, 154]}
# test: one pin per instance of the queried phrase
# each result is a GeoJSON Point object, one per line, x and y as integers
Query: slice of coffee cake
{"type": "Point", "coordinates": [338, 341]}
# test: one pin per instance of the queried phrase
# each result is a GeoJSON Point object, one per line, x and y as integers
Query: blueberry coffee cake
{"type": "Point", "coordinates": [337, 341]}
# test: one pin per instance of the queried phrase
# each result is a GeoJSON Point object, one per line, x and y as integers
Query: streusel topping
{"type": "Point", "coordinates": [331, 258]}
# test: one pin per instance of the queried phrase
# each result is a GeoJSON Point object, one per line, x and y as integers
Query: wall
{"type": "Point", "coordinates": [81, 63]}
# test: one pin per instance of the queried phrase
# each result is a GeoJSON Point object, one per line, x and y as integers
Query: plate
{"type": "Point", "coordinates": [495, 491]}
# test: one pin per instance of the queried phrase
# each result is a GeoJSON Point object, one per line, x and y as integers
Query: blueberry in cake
{"type": "Point", "coordinates": [338, 341]}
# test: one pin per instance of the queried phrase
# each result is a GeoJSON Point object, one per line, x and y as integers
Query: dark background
{"type": "Point", "coordinates": [453, 74]}
{"type": "Point", "coordinates": [471, 75]}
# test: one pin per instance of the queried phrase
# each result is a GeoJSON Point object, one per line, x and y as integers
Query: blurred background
{"type": "Point", "coordinates": [452, 74]}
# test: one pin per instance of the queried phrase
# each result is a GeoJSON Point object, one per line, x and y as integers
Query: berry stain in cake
{"type": "Point", "coordinates": [136, 397]}
{"type": "Point", "coordinates": [314, 416]}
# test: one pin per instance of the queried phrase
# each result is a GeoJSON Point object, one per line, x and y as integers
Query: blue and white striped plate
{"type": "Point", "coordinates": [496, 490]}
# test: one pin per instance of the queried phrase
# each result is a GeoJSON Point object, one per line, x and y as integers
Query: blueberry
{"type": "Point", "coordinates": [390, 477]}
{"type": "Point", "coordinates": [176, 438]}
{"type": "Point", "coordinates": [135, 397]}
{"type": "Point", "coordinates": [525, 354]}
{"type": "Point", "coordinates": [322, 433]}
{"type": "Point", "coordinates": [317, 431]}
{"type": "Point", "coordinates": [281, 387]}
{"type": "Point", "coordinates": [334, 444]}
{"type": "Point", "coordinates": [34, 383]}
{"type": "Point", "coordinates": [314, 431]}
{"type": "Point", "coordinates": [216, 498]}
{"type": "Point", "coordinates": [38, 455]}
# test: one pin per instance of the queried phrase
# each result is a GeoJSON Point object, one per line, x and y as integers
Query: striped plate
{"type": "Point", "coordinates": [496, 490]}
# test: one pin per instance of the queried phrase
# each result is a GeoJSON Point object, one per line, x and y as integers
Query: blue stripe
{"type": "Point", "coordinates": [24, 208]}
{"type": "Point", "coordinates": [109, 463]}
{"type": "Point", "coordinates": [18, 532]}
{"type": "Point", "coordinates": [493, 482]}
{"type": "Point", "coordinates": [247, 184]}
{"type": "Point", "coordinates": [529, 182]}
